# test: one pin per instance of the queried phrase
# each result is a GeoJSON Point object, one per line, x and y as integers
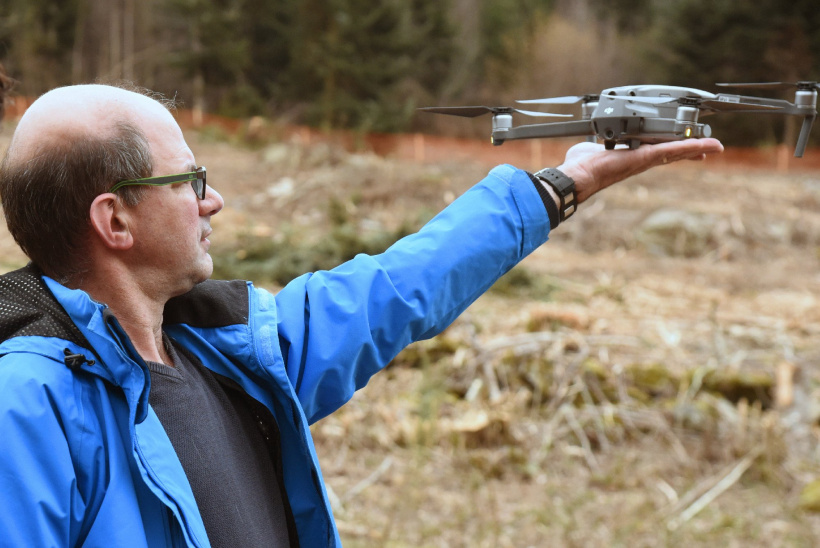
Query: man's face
{"type": "Point", "coordinates": [171, 224]}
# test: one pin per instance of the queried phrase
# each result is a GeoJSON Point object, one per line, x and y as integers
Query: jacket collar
{"type": "Point", "coordinates": [112, 355]}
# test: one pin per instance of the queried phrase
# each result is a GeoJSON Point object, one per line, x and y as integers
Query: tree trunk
{"type": "Point", "coordinates": [114, 40]}
{"type": "Point", "coordinates": [128, 38]}
{"type": "Point", "coordinates": [79, 42]}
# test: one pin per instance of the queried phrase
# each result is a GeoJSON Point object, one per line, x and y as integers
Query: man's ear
{"type": "Point", "coordinates": [110, 221]}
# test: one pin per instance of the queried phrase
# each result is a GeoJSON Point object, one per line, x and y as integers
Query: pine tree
{"type": "Point", "coordinates": [350, 63]}
{"type": "Point", "coordinates": [701, 42]}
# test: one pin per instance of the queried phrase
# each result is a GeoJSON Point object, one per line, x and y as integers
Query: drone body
{"type": "Point", "coordinates": [632, 115]}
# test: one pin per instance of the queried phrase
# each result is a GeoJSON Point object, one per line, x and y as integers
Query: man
{"type": "Point", "coordinates": [141, 405]}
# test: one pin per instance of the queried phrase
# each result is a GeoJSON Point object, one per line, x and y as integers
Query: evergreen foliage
{"type": "Point", "coordinates": [705, 42]}
{"type": "Point", "coordinates": [366, 64]}
{"type": "Point", "coordinates": [352, 62]}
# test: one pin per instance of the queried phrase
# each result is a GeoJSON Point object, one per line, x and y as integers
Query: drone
{"type": "Point", "coordinates": [633, 115]}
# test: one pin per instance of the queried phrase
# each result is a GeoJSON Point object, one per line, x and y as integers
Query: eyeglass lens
{"type": "Point", "coordinates": [199, 183]}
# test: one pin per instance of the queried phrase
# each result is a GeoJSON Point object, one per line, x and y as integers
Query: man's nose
{"type": "Point", "coordinates": [212, 203]}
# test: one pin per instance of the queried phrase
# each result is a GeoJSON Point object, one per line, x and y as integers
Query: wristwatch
{"type": "Point", "coordinates": [564, 187]}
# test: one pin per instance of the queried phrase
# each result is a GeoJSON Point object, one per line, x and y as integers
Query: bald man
{"type": "Point", "coordinates": [144, 405]}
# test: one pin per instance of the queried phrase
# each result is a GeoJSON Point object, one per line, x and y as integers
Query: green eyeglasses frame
{"type": "Point", "coordinates": [197, 179]}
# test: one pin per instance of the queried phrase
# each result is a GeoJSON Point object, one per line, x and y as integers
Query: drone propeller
{"type": "Point", "coordinates": [566, 100]}
{"type": "Point", "coordinates": [467, 112]}
{"type": "Point", "coordinates": [774, 85]}
{"type": "Point", "coordinates": [472, 112]}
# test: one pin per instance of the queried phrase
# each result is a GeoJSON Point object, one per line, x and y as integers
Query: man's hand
{"type": "Point", "coordinates": [593, 168]}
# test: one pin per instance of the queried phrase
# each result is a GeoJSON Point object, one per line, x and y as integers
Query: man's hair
{"type": "Point", "coordinates": [47, 198]}
{"type": "Point", "coordinates": [170, 103]}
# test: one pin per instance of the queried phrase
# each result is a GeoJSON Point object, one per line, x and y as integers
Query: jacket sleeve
{"type": "Point", "coordinates": [39, 498]}
{"type": "Point", "coordinates": [337, 328]}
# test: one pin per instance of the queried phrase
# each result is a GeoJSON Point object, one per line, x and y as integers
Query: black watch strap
{"type": "Point", "coordinates": [549, 201]}
{"type": "Point", "coordinates": [564, 187]}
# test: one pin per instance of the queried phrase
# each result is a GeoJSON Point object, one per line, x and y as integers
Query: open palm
{"type": "Point", "coordinates": [593, 168]}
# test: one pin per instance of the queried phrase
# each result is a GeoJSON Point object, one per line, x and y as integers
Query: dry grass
{"type": "Point", "coordinates": [526, 440]}
{"type": "Point", "coordinates": [633, 385]}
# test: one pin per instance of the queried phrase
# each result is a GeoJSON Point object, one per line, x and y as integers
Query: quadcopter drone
{"type": "Point", "coordinates": [633, 115]}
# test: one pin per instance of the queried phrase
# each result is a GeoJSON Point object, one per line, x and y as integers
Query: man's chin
{"type": "Point", "coordinates": [206, 270]}
{"type": "Point", "coordinates": [201, 274]}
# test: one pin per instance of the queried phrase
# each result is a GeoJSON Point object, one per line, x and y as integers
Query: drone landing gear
{"type": "Point", "coordinates": [609, 144]}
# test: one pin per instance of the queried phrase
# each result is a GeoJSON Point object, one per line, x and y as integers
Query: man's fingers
{"type": "Point", "coordinates": [689, 149]}
{"type": "Point", "coordinates": [698, 158]}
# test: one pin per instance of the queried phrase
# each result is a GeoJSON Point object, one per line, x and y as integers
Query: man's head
{"type": "Point", "coordinates": [72, 145]}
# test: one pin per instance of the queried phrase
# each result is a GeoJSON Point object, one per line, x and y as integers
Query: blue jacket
{"type": "Point", "coordinates": [84, 459]}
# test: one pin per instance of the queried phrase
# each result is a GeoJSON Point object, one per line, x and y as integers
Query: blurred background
{"type": "Point", "coordinates": [650, 377]}
{"type": "Point", "coordinates": [367, 65]}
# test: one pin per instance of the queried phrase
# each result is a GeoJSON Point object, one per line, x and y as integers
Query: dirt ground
{"type": "Point", "coordinates": [579, 406]}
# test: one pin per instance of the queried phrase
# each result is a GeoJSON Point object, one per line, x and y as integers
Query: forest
{"type": "Point", "coordinates": [367, 65]}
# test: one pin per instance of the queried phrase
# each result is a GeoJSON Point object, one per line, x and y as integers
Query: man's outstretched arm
{"type": "Point", "coordinates": [337, 328]}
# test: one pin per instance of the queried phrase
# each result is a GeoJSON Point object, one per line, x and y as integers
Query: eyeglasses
{"type": "Point", "coordinates": [197, 179]}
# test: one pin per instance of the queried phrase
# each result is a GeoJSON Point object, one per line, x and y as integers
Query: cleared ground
{"type": "Point", "coordinates": [649, 377]}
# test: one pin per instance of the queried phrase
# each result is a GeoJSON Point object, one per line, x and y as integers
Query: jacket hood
{"type": "Point", "coordinates": [28, 308]}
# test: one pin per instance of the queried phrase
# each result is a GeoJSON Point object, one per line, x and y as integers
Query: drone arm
{"type": "Point", "coordinates": [745, 103]}
{"type": "Point", "coordinates": [803, 139]}
{"type": "Point", "coordinates": [556, 129]}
